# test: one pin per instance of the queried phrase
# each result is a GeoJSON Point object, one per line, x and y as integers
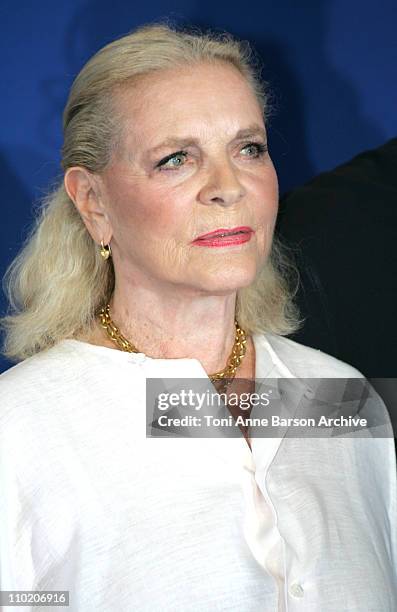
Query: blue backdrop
{"type": "Point", "coordinates": [332, 65]}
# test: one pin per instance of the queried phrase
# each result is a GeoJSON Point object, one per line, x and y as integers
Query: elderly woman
{"type": "Point", "coordinates": [155, 258]}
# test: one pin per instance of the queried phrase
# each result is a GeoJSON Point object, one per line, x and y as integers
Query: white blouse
{"type": "Point", "coordinates": [90, 505]}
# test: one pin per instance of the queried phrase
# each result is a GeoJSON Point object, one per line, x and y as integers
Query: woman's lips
{"type": "Point", "coordinates": [225, 237]}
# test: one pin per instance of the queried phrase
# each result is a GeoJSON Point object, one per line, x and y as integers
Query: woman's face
{"type": "Point", "coordinates": [192, 160]}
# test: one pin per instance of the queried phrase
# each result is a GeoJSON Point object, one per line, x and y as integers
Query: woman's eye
{"type": "Point", "coordinates": [173, 161]}
{"type": "Point", "coordinates": [255, 149]}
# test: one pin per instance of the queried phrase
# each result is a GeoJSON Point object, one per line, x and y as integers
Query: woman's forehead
{"type": "Point", "coordinates": [177, 103]}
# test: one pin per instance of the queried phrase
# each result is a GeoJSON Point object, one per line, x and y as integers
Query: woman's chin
{"type": "Point", "coordinates": [224, 282]}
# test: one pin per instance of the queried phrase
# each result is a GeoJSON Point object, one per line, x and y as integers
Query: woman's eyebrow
{"type": "Point", "coordinates": [250, 132]}
{"type": "Point", "coordinates": [175, 142]}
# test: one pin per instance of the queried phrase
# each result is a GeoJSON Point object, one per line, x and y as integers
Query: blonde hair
{"type": "Point", "coordinates": [58, 281]}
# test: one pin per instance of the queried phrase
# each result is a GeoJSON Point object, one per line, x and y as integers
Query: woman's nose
{"type": "Point", "coordinates": [222, 185]}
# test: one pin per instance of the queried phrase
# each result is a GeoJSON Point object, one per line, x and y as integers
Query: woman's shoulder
{"type": "Point", "coordinates": [65, 382]}
{"type": "Point", "coordinates": [66, 367]}
{"type": "Point", "coordinates": [43, 375]}
{"type": "Point", "coordinates": [305, 361]}
{"type": "Point", "coordinates": [315, 367]}
{"type": "Point", "coordinates": [65, 356]}
{"type": "Point", "coordinates": [50, 359]}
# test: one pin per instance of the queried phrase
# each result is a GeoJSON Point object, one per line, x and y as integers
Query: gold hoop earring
{"type": "Point", "coordinates": [106, 251]}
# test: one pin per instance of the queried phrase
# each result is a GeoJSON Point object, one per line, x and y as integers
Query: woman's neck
{"type": "Point", "coordinates": [169, 327]}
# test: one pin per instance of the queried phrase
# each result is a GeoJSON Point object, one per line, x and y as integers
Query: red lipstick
{"type": "Point", "coordinates": [225, 237]}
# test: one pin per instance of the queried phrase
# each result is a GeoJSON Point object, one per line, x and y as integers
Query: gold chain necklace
{"type": "Point", "coordinates": [235, 358]}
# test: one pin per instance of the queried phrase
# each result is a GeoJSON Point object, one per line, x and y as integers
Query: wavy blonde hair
{"type": "Point", "coordinates": [58, 281]}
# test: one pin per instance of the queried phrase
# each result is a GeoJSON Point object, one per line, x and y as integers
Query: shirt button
{"type": "Point", "coordinates": [296, 590]}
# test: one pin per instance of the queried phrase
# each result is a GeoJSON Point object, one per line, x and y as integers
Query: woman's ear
{"type": "Point", "coordinates": [83, 189]}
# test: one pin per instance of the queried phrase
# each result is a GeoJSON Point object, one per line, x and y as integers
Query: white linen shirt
{"type": "Point", "coordinates": [89, 504]}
